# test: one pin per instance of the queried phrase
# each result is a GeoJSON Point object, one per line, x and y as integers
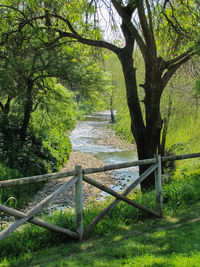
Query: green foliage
{"type": "Point", "coordinates": [183, 138]}
{"type": "Point", "coordinates": [182, 192]}
{"type": "Point", "coordinates": [183, 28]}
{"type": "Point", "coordinates": [47, 145]}
{"type": "Point", "coordinates": [36, 111]}
{"type": "Point", "coordinates": [7, 174]}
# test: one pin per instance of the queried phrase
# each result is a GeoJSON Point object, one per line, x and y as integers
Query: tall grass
{"type": "Point", "coordinates": [183, 133]}
{"type": "Point", "coordinates": [183, 138]}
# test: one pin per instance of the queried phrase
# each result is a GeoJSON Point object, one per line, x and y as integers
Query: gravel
{"type": "Point", "coordinates": [86, 161]}
{"type": "Point", "coordinates": [66, 200]}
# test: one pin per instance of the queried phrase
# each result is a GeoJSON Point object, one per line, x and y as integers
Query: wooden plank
{"type": "Point", "coordinates": [46, 225]}
{"type": "Point", "coordinates": [37, 208]}
{"type": "Point", "coordinates": [158, 186]}
{"type": "Point", "coordinates": [51, 176]}
{"type": "Point", "coordinates": [47, 177]}
{"type": "Point", "coordinates": [180, 157]}
{"type": "Point", "coordinates": [95, 221]}
{"type": "Point", "coordinates": [37, 178]}
{"type": "Point", "coordinates": [117, 195]}
{"type": "Point", "coordinates": [140, 179]}
{"type": "Point", "coordinates": [79, 202]}
{"type": "Point", "coordinates": [120, 166]}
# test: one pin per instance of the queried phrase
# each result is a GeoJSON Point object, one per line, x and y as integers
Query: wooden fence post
{"type": "Point", "coordinates": [79, 201]}
{"type": "Point", "coordinates": [158, 186]}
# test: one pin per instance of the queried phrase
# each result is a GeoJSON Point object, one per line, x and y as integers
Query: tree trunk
{"type": "Point", "coordinates": [145, 149]}
{"type": "Point", "coordinates": [147, 137]}
{"type": "Point", "coordinates": [165, 128]}
{"type": "Point", "coordinates": [27, 110]}
{"type": "Point", "coordinates": [112, 116]}
{"type": "Point", "coordinates": [5, 121]}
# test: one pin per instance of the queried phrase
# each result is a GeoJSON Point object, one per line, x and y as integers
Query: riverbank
{"type": "Point", "coordinates": [111, 139]}
{"type": "Point", "coordinates": [66, 200]}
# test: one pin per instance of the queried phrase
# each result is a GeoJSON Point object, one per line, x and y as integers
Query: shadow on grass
{"type": "Point", "coordinates": [141, 245]}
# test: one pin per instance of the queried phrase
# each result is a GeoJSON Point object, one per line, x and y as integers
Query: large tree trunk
{"type": "Point", "coordinates": [147, 136]}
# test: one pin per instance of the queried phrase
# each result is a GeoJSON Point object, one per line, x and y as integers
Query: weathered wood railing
{"type": "Point", "coordinates": [79, 176]}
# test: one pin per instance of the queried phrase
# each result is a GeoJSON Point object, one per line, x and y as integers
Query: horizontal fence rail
{"type": "Point", "coordinates": [58, 175]}
{"type": "Point", "coordinates": [80, 175]}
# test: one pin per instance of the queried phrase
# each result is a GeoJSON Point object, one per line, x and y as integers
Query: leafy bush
{"type": "Point", "coordinates": [32, 157]}
{"type": "Point", "coordinates": [46, 147]}
{"type": "Point", "coordinates": [7, 174]}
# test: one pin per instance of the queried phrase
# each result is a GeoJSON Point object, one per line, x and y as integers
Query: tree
{"type": "Point", "coordinates": [138, 25]}
{"type": "Point", "coordinates": [29, 59]}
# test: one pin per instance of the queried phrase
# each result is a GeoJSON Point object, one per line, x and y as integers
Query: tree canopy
{"type": "Point", "coordinates": [164, 31]}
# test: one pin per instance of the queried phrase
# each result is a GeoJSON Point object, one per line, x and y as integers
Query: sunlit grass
{"type": "Point", "coordinates": [124, 238]}
{"type": "Point", "coordinates": [143, 244]}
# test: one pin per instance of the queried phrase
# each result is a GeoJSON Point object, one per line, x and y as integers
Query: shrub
{"type": "Point", "coordinates": [32, 157]}
{"type": "Point", "coordinates": [7, 174]}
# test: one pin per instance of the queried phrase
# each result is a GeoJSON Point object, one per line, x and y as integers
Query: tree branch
{"type": "Point", "coordinates": [34, 109]}
{"type": "Point", "coordinates": [1, 105]}
{"type": "Point", "coordinates": [173, 68]}
{"type": "Point", "coordinates": [15, 9]}
{"type": "Point", "coordinates": [180, 57]}
{"type": "Point", "coordinates": [122, 13]}
{"type": "Point", "coordinates": [148, 34]}
{"type": "Point", "coordinates": [89, 42]}
{"type": "Point", "coordinates": [149, 16]}
{"type": "Point", "coordinates": [66, 21]}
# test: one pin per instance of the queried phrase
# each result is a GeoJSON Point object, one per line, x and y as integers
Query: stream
{"type": "Point", "coordinates": [84, 139]}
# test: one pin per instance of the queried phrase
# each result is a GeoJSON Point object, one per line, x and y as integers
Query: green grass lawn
{"type": "Point", "coordinates": [125, 237]}
{"type": "Point", "coordinates": [171, 241]}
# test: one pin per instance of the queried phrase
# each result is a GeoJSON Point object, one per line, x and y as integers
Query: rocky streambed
{"type": "Point", "coordinates": [94, 145]}
{"type": "Point", "coordinates": [106, 138]}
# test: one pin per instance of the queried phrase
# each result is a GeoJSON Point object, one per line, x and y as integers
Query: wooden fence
{"type": "Point", "coordinates": [80, 175]}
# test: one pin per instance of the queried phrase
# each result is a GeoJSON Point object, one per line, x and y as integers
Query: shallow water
{"type": "Point", "coordinates": [83, 139]}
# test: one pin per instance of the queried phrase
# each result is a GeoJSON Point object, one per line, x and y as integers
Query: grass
{"type": "Point", "coordinates": [125, 237]}
{"type": "Point", "coordinates": [147, 243]}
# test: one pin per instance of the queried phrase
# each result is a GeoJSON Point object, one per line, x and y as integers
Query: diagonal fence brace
{"type": "Point", "coordinates": [38, 222]}
{"type": "Point", "coordinates": [119, 196]}
{"type": "Point", "coordinates": [116, 201]}
{"type": "Point", "coordinates": [37, 208]}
